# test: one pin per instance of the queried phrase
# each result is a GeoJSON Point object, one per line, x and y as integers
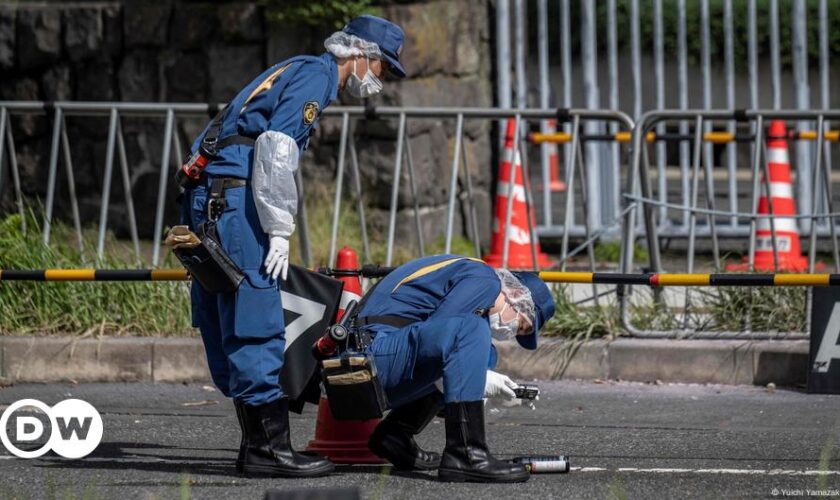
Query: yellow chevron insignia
{"type": "Point", "coordinates": [267, 83]}
{"type": "Point", "coordinates": [430, 269]}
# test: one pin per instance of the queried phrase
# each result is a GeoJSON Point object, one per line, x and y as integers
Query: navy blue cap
{"type": "Point", "coordinates": [543, 306]}
{"type": "Point", "coordinates": [384, 33]}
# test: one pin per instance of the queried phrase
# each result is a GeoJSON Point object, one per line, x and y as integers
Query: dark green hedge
{"type": "Point", "coordinates": [669, 21]}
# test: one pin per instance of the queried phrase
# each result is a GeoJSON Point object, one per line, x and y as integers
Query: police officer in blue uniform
{"type": "Point", "coordinates": [248, 189]}
{"type": "Point", "coordinates": [434, 318]}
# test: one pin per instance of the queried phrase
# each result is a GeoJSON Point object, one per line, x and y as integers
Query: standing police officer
{"type": "Point", "coordinates": [249, 189]}
{"type": "Point", "coordinates": [434, 317]}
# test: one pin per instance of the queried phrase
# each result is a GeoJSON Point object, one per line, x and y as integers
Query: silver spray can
{"type": "Point", "coordinates": [542, 464]}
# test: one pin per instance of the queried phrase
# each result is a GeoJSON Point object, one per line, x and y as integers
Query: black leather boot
{"type": "Point", "coordinates": [267, 448]}
{"type": "Point", "coordinates": [243, 443]}
{"type": "Point", "coordinates": [393, 438]}
{"type": "Point", "coordinates": [466, 457]}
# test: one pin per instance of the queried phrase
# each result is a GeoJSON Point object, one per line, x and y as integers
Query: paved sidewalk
{"type": "Point", "coordinates": [624, 439]}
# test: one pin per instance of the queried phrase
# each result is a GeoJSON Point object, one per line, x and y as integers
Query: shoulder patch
{"type": "Point", "coordinates": [310, 112]}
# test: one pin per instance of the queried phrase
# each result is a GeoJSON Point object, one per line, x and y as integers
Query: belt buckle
{"type": "Point", "coordinates": [215, 208]}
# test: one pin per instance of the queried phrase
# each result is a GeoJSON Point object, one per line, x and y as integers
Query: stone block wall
{"type": "Point", "coordinates": [185, 51]}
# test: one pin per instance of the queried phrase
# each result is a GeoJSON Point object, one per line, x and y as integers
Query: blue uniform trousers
{"type": "Point", "coordinates": [243, 332]}
{"type": "Point", "coordinates": [410, 359]}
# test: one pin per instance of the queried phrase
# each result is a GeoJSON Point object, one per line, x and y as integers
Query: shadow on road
{"type": "Point", "coordinates": [149, 457]}
{"type": "Point", "coordinates": [122, 455]}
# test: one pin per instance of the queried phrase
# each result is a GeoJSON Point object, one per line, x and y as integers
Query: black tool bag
{"type": "Point", "coordinates": [209, 264]}
{"type": "Point", "coordinates": [353, 388]}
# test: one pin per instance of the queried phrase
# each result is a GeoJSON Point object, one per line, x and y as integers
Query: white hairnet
{"type": "Point", "coordinates": [341, 44]}
{"type": "Point", "coordinates": [517, 294]}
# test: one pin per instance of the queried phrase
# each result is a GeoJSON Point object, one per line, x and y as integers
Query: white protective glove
{"type": "Point", "coordinates": [275, 195]}
{"type": "Point", "coordinates": [277, 260]}
{"type": "Point", "coordinates": [499, 386]}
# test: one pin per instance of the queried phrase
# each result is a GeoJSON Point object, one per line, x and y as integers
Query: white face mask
{"type": "Point", "coordinates": [501, 330]}
{"type": "Point", "coordinates": [367, 86]}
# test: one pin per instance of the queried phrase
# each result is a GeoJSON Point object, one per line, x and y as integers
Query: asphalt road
{"type": "Point", "coordinates": [625, 441]}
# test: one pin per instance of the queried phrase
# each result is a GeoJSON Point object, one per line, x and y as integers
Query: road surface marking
{"type": "Point", "coordinates": [766, 472]}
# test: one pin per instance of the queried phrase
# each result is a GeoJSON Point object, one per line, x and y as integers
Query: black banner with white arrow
{"type": "Point", "coordinates": [310, 301]}
{"type": "Point", "coordinates": [824, 366]}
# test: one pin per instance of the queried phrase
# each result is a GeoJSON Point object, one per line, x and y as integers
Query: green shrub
{"type": "Point", "coordinates": [693, 29]}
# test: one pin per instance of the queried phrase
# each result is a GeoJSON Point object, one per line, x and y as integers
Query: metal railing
{"type": "Point", "coordinates": [60, 146]}
{"type": "Point", "coordinates": [459, 163]}
{"type": "Point", "coordinates": [566, 73]}
{"type": "Point", "coordinates": [654, 209]}
{"type": "Point", "coordinates": [643, 212]}
{"type": "Point", "coordinates": [459, 183]}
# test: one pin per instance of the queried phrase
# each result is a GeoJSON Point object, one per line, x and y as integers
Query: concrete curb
{"type": "Point", "coordinates": [149, 359]}
{"type": "Point", "coordinates": [137, 359]}
{"type": "Point", "coordinates": [735, 362]}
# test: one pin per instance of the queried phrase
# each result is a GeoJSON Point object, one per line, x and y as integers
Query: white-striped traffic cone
{"type": "Point", "coordinates": [784, 206]}
{"type": "Point", "coordinates": [344, 441]}
{"type": "Point", "coordinates": [519, 251]}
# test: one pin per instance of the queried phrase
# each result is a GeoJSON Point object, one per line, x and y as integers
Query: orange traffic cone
{"type": "Point", "coordinates": [519, 254]}
{"type": "Point", "coordinates": [347, 259]}
{"type": "Point", "coordinates": [781, 191]}
{"type": "Point", "coordinates": [344, 441]}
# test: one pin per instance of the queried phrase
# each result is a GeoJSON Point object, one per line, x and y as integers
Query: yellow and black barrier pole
{"type": "Point", "coordinates": [649, 279]}
{"type": "Point", "coordinates": [714, 137]}
{"type": "Point", "coordinates": [94, 275]}
{"type": "Point", "coordinates": [675, 279]}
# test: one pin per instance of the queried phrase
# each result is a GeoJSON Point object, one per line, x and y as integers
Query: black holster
{"type": "Point", "coordinates": [209, 264]}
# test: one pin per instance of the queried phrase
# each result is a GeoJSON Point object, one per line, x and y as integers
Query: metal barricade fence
{"type": "Point", "coordinates": [655, 208]}
{"type": "Point", "coordinates": [60, 145]}
{"type": "Point", "coordinates": [592, 229]}
{"type": "Point", "coordinates": [404, 157]}
{"type": "Point", "coordinates": [170, 113]}
{"type": "Point", "coordinates": [675, 51]}
{"type": "Point", "coordinates": [638, 198]}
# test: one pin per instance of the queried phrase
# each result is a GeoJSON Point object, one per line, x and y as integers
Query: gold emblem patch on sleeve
{"type": "Point", "coordinates": [310, 112]}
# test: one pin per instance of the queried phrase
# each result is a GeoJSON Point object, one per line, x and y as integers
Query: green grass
{"type": "Point", "coordinates": [319, 208]}
{"type": "Point", "coordinates": [653, 316]}
{"type": "Point", "coordinates": [610, 251]}
{"type": "Point", "coordinates": [140, 308]}
{"type": "Point", "coordinates": [581, 322]}
{"type": "Point", "coordinates": [768, 309]}
{"type": "Point", "coordinates": [82, 308]}
{"type": "Point", "coordinates": [163, 308]}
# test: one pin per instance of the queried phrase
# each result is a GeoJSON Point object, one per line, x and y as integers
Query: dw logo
{"type": "Point", "coordinates": [75, 428]}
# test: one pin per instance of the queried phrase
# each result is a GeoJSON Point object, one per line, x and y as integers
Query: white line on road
{"type": "Point", "coordinates": [766, 472]}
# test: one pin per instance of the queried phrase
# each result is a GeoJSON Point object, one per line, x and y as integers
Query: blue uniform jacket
{"type": "Point", "coordinates": [287, 97]}
{"type": "Point", "coordinates": [434, 287]}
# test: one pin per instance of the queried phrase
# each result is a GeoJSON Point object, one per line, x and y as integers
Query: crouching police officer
{"type": "Point", "coordinates": [434, 317]}
{"type": "Point", "coordinates": [248, 188]}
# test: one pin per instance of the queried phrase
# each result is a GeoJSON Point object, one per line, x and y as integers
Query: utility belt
{"type": "Point", "coordinates": [190, 173]}
{"type": "Point", "coordinates": [202, 254]}
{"type": "Point", "coordinates": [388, 319]}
